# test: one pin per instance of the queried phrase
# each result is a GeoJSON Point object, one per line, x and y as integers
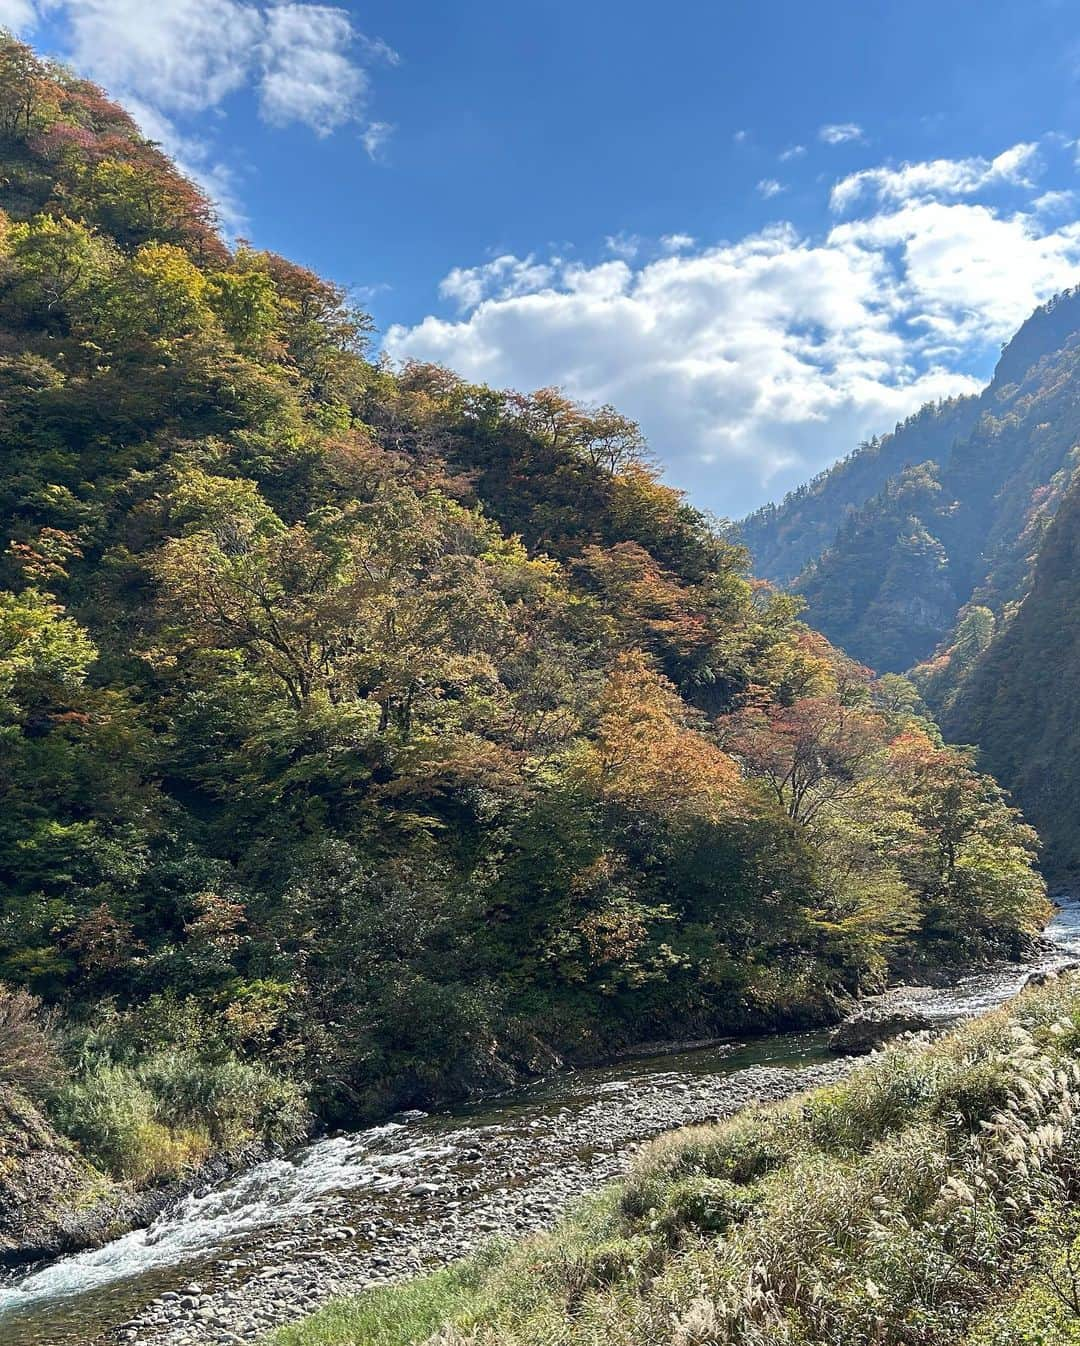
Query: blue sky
{"type": "Point", "coordinates": [765, 230]}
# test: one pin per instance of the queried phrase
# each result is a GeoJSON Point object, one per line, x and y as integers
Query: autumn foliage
{"type": "Point", "coordinates": [377, 726]}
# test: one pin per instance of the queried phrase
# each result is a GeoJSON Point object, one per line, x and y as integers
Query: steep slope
{"type": "Point", "coordinates": [783, 539]}
{"type": "Point", "coordinates": [369, 737]}
{"type": "Point", "coordinates": [1019, 700]}
{"type": "Point", "coordinates": [960, 525]}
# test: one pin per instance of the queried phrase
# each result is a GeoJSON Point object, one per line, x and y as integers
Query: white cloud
{"type": "Point", "coordinates": [623, 245]}
{"type": "Point", "coordinates": [501, 278]}
{"type": "Point", "coordinates": [741, 137]}
{"type": "Point", "coordinates": [375, 137]}
{"type": "Point", "coordinates": [379, 50]}
{"type": "Point", "coordinates": [753, 363]}
{"type": "Point", "coordinates": [677, 242]}
{"type": "Point", "coordinates": [939, 177]}
{"type": "Point", "coordinates": [769, 187]}
{"type": "Point", "coordinates": [792, 152]}
{"type": "Point", "coordinates": [838, 133]}
{"type": "Point", "coordinates": [182, 56]}
{"type": "Point", "coordinates": [1053, 203]}
{"type": "Point", "coordinates": [309, 75]}
{"type": "Point", "coordinates": [18, 16]}
{"type": "Point", "coordinates": [187, 56]}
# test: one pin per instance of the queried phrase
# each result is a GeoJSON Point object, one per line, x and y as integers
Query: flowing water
{"type": "Point", "coordinates": [374, 1188]}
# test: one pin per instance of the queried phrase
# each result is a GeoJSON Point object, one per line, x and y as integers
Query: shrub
{"type": "Point", "coordinates": [28, 1056]}
{"type": "Point", "coordinates": [236, 1101]}
{"type": "Point", "coordinates": [114, 1117]}
{"type": "Point", "coordinates": [158, 1118]}
{"type": "Point", "coordinates": [704, 1206]}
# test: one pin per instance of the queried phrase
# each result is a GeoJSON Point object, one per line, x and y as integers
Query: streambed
{"type": "Point", "coordinates": [276, 1241]}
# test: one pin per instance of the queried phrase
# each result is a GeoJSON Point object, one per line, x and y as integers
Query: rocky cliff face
{"type": "Point", "coordinates": [53, 1202]}
{"type": "Point", "coordinates": [47, 1190]}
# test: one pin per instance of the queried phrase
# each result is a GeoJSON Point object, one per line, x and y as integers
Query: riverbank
{"type": "Point", "coordinates": [356, 1210]}
{"type": "Point", "coordinates": [928, 1197]}
{"type": "Point", "coordinates": [494, 1181]}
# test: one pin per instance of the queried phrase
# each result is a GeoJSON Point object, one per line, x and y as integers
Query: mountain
{"type": "Point", "coordinates": [369, 738]}
{"type": "Point", "coordinates": [899, 540]}
{"type": "Point", "coordinates": [1018, 699]}
{"type": "Point", "coordinates": [784, 538]}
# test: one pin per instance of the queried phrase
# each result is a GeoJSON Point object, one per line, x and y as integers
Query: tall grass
{"type": "Point", "coordinates": [894, 1209]}
{"type": "Point", "coordinates": [28, 1058]}
{"type": "Point", "coordinates": [158, 1118]}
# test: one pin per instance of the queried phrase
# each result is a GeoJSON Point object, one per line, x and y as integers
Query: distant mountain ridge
{"type": "Point", "coordinates": [949, 549]}
{"type": "Point", "coordinates": [893, 544]}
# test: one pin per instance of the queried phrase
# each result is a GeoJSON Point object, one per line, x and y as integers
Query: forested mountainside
{"type": "Point", "coordinates": [1019, 700]}
{"type": "Point", "coordinates": [369, 737]}
{"type": "Point", "coordinates": [784, 538]}
{"type": "Point", "coordinates": [908, 535]}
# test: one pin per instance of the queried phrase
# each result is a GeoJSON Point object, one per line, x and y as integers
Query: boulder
{"type": "Point", "coordinates": [869, 1029]}
{"type": "Point", "coordinates": [1042, 976]}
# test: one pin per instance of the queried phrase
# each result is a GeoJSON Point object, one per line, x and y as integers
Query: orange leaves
{"type": "Point", "coordinates": [650, 604]}
{"type": "Point", "coordinates": [645, 756]}
{"type": "Point", "coordinates": [810, 754]}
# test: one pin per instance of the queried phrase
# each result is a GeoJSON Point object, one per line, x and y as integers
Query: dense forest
{"type": "Point", "coordinates": [945, 550]}
{"type": "Point", "coordinates": [369, 737]}
{"type": "Point", "coordinates": [1018, 699]}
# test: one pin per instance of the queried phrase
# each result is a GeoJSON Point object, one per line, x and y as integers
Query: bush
{"type": "Point", "coordinates": [704, 1206]}
{"type": "Point", "coordinates": [237, 1102]}
{"type": "Point", "coordinates": [28, 1058]}
{"type": "Point", "coordinates": [115, 1118]}
{"type": "Point", "coordinates": [161, 1117]}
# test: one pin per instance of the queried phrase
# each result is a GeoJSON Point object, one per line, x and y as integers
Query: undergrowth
{"type": "Point", "coordinates": [924, 1201]}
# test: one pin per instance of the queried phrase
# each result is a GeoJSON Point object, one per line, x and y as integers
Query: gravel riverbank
{"type": "Point", "coordinates": [469, 1185]}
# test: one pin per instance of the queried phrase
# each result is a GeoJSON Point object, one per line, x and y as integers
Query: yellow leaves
{"type": "Point", "coordinates": [170, 288]}
{"type": "Point", "coordinates": [203, 501]}
{"type": "Point", "coordinates": [642, 504]}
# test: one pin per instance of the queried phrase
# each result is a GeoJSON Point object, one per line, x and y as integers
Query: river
{"type": "Point", "coordinates": [275, 1241]}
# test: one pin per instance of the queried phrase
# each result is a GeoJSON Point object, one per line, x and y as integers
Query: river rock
{"type": "Point", "coordinates": [1041, 976]}
{"type": "Point", "coordinates": [872, 1028]}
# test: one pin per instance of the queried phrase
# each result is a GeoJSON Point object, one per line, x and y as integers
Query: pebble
{"type": "Point", "coordinates": [520, 1177]}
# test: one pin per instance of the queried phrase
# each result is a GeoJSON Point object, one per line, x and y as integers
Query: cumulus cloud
{"type": "Point", "coordinates": [939, 177]}
{"type": "Point", "coordinates": [183, 56]}
{"type": "Point", "coordinates": [170, 61]}
{"type": "Point", "coordinates": [792, 152]}
{"type": "Point", "coordinates": [769, 187]}
{"type": "Point", "coordinates": [839, 133]}
{"type": "Point", "coordinates": [753, 363]}
{"type": "Point", "coordinates": [677, 242]}
{"type": "Point", "coordinates": [623, 245]}
{"type": "Point", "coordinates": [1053, 203]}
{"type": "Point", "coordinates": [308, 74]}
{"type": "Point", "coordinates": [501, 278]}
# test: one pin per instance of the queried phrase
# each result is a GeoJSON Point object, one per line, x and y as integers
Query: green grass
{"type": "Point", "coordinates": [918, 1203]}
{"type": "Point", "coordinates": [394, 1316]}
{"type": "Point", "coordinates": [164, 1115]}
